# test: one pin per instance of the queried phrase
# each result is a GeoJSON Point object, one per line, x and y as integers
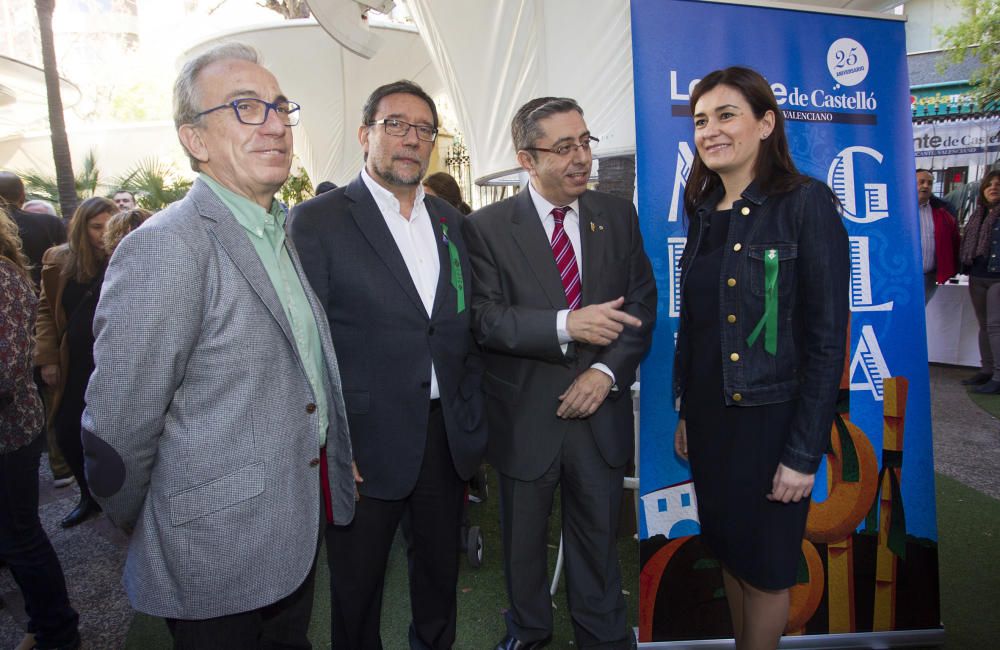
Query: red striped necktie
{"type": "Point", "coordinates": [562, 251]}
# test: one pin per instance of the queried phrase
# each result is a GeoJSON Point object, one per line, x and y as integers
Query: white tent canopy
{"type": "Point", "coordinates": [489, 57]}
{"type": "Point", "coordinates": [495, 56]}
{"type": "Point", "coordinates": [331, 83]}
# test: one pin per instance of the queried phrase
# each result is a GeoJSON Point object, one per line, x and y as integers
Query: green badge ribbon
{"type": "Point", "coordinates": [769, 321]}
{"type": "Point", "coordinates": [456, 268]}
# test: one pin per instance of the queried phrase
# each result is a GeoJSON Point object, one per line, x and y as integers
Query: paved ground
{"type": "Point", "coordinates": [966, 438]}
{"type": "Point", "coordinates": [966, 448]}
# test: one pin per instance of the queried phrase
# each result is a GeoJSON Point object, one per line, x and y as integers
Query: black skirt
{"type": "Point", "coordinates": [735, 450]}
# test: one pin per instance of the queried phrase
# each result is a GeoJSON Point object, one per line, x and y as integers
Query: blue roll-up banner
{"type": "Point", "coordinates": [869, 560]}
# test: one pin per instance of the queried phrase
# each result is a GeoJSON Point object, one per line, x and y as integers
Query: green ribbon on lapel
{"type": "Point", "coordinates": [769, 321]}
{"type": "Point", "coordinates": [456, 268]}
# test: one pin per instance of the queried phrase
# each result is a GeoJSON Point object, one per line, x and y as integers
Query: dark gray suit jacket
{"type": "Point", "coordinates": [517, 293]}
{"type": "Point", "coordinates": [386, 341]}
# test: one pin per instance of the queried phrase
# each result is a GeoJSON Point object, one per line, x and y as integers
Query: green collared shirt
{"type": "Point", "coordinates": [266, 231]}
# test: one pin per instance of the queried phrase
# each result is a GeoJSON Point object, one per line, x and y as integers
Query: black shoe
{"type": "Point", "coordinates": [86, 509]}
{"type": "Point", "coordinates": [513, 643]}
{"type": "Point", "coordinates": [989, 388]}
{"type": "Point", "coordinates": [977, 379]}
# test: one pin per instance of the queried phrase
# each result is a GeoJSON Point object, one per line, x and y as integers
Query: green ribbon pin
{"type": "Point", "coordinates": [456, 268]}
{"type": "Point", "coordinates": [769, 321]}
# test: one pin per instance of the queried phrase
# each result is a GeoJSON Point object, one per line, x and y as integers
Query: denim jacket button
{"type": "Point", "coordinates": [744, 211]}
{"type": "Point", "coordinates": [731, 282]}
{"type": "Point", "coordinates": [737, 397]}
{"type": "Point", "coordinates": [731, 318]}
{"type": "Point", "coordinates": [734, 357]}
{"type": "Point", "coordinates": [737, 247]}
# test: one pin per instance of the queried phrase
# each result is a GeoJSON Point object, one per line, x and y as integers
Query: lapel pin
{"type": "Point", "coordinates": [593, 227]}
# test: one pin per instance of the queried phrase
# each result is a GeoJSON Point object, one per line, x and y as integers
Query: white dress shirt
{"type": "Point", "coordinates": [927, 237]}
{"type": "Point", "coordinates": [571, 224]}
{"type": "Point", "coordinates": [417, 244]}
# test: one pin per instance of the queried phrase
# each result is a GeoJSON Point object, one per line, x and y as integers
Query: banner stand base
{"type": "Point", "coordinates": [896, 639]}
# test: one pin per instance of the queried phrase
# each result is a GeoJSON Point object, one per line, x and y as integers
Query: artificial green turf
{"type": "Point", "coordinates": [969, 557]}
{"type": "Point", "coordinates": [482, 598]}
{"type": "Point", "coordinates": [989, 403]}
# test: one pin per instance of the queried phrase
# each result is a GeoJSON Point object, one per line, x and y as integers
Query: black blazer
{"type": "Point", "coordinates": [39, 233]}
{"type": "Point", "coordinates": [385, 340]}
{"type": "Point", "coordinates": [516, 295]}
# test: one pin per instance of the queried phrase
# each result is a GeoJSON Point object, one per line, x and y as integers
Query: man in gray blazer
{"type": "Point", "coordinates": [563, 304]}
{"type": "Point", "coordinates": [215, 429]}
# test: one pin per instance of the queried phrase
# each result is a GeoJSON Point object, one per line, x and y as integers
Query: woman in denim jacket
{"type": "Point", "coordinates": [760, 348]}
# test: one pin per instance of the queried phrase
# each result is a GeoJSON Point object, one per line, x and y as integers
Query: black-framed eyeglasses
{"type": "Point", "coordinates": [567, 148]}
{"type": "Point", "coordinates": [253, 111]}
{"type": "Point", "coordinates": [399, 128]}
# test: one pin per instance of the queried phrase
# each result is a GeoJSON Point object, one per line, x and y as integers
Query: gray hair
{"type": "Point", "coordinates": [186, 100]}
{"type": "Point", "coordinates": [524, 129]}
{"type": "Point", "coordinates": [39, 206]}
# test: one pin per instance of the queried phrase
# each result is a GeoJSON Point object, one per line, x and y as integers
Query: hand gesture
{"type": "Point", "coordinates": [600, 324]}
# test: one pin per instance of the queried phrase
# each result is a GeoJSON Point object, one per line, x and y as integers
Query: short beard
{"type": "Point", "coordinates": [390, 177]}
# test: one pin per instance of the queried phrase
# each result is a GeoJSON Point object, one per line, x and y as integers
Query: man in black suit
{"type": "Point", "coordinates": [389, 265]}
{"type": "Point", "coordinates": [39, 232]}
{"type": "Point", "coordinates": [563, 304]}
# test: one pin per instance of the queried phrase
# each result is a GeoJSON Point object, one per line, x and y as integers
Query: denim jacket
{"type": "Point", "coordinates": [805, 228]}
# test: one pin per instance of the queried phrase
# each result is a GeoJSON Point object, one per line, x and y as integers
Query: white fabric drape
{"type": "Point", "coordinates": [494, 56]}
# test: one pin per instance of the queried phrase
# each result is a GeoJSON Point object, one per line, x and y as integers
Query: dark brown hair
{"type": "Point", "coordinates": [402, 86]}
{"type": "Point", "coordinates": [82, 261]}
{"type": "Point", "coordinates": [982, 186]}
{"type": "Point", "coordinates": [446, 187]}
{"type": "Point", "coordinates": [774, 170]}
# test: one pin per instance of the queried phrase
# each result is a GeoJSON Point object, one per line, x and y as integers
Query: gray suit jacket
{"type": "Point", "coordinates": [200, 429]}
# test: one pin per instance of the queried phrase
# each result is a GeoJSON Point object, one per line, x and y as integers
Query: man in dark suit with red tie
{"type": "Point", "coordinates": [563, 304]}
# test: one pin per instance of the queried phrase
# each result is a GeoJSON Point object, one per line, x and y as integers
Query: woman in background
{"type": "Point", "coordinates": [980, 253]}
{"type": "Point", "coordinates": [24, 546]}
{"type": "Point", "coordinates": [760, 347]}
{"type": "Point", "coordinates": [444, 186]}
{"type": "Point", "coordinates": [122, 224]}
{"type": "Point", "coordinates": [71, 285]}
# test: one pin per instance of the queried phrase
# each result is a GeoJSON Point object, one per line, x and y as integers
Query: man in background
{"type": "Point", "coordinates": [938, 235]}
{"type": "Point", "coordinates": [124, 199]}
